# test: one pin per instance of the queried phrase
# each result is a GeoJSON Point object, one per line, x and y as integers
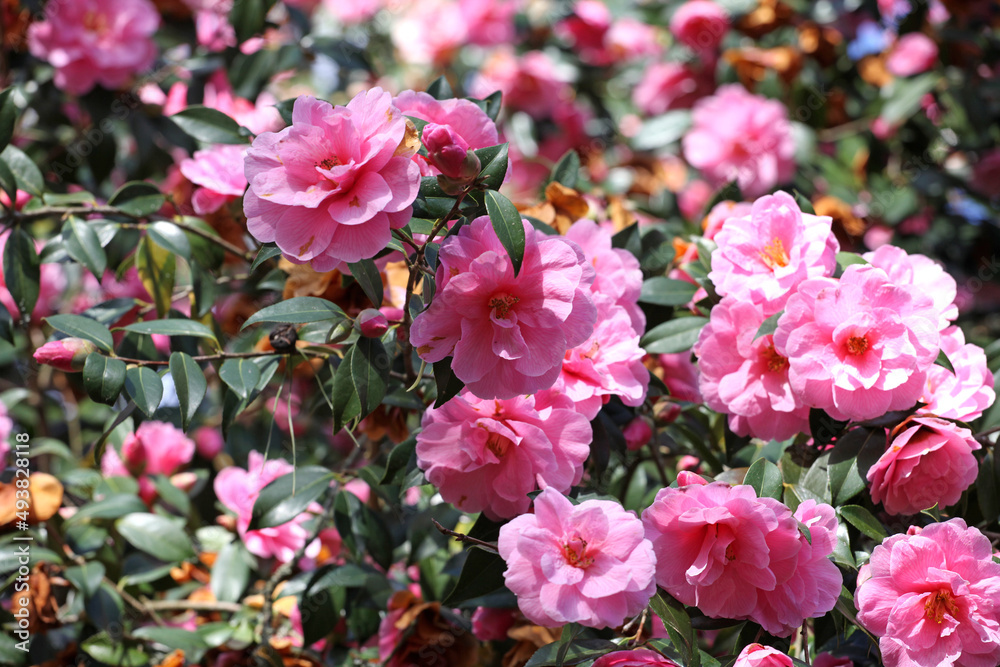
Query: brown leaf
{"type": "Point", "coordinates": [175, 659]}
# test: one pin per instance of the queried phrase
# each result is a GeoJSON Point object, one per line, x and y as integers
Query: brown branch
{"type": "Point", "coordinates": [462, 537]}
{"type": "Point", "coordinates": [206, 357]}
{"type": "Point", "coordinates": [191, 605]}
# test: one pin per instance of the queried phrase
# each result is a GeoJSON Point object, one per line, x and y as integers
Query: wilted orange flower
{"type": "Point", "coordinates": [769, 15]}
{"type": "Point", "coordinates": [45, 495]}
{"type": "Point", "coordinates": [562, 207]}
{"type": "Point", "coordinates": [752, 64]}
{"type": "Point", "coordinates": [842, 214]}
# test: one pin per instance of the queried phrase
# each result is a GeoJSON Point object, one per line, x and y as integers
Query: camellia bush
{"type": "Point", "coordinates": [499, 332]}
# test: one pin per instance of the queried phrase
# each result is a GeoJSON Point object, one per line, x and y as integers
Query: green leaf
{"type": "Point", "coordinates": [399, 461]}
{"type": "Point", "coordinates": [363, 531]}
{"type": "Point", "coordinates": [346, 405]}
{"type": "Point", "coordinates": [905, 95]}
{"type": "Point", "coordinates": [265, 253]}
{"type": "Point", "coordinates": [83, 245]}
{"type": "Point", "coordinates": [662, 130]}
{"type": "Point", "coordinates": [111, 651]}
{"type": "Point", "coordinates": [7, 181]}
{"type": "Point", "coordinates": [173, 638]}
{"type": "Point", "coordinates": [8, 116]}
{"type": "Point", "coordinates": [575, 652]}
{"type": "Point", "coordinates": [297, 310]}
{"type": "Point", "coordinates": [240, 375]}
{"type": "Point", "coordinates": [482, 574]}
{"type": "Point", "coordinates": [863, 520]}
{"type": "Point", "coordinates": [448, 384]}
{"type": "Point", "coordinates": [288, 496]}
{"type": "Point", "coordinates": [86, 577]}
{"type": "Point", "coordinates": [769, 326]}
{"type": "Point", "coordinates": [845, 480]}
{"type": "Point", "coordinates": [231, 572]}
{"type": "Point", "coordinates": [494, 161]}
{"type": "Point", "coordinates": [803, 202]}
{"type": "Point", "coordinates": [369, 373]}
{"type": "Point", "coordinates": [79, 326]}
{"type": "Point", "coordinates": [156, 268]}
{"type": "Point", "coordinates": [677, 335]}
{"type": "Point", "coordinates": [845, 259]}
{"type": "Point", "coordinates": [174, 327]}
{"type": "Point", "coordinates": [440, 89]}
{"type": "Point", "coordinates": [209, 126]}
{"type": "Point", "coordinates": [138, 198]}
{"type": "Point", "coordinates": [170, 237]}
{"type": "Point", "coordinates": [103, 377]}
{"type": "Point", "coordinates": [22, 270]}
{"type": "Point", "coordinates": [678, 624]}
{"type": "Point", "coordinates": [144, 386]}
{"type": "Point", "coordinates": [567, 170]}
{"type": "Point", "coordinates": [944, 361]}
{"type": "Point", "coordinates": [190, 383]}
{"type": "Point", "coordinates": [159, 536]}
{"type": "Point", "coordinates": [986, 489]}
{"type": "Point", "coordinates": [367, 275]}
{"type": "Point", "coordinates": [664, 291]}
{"type": "Point", "coordinates": [109, 507]}
{"type": "Point", "coordinates": [26, 173]}
{"type": "Point", "coordinates": [765, 478]}
{"type": "Point", "coordinates": [508, 226]}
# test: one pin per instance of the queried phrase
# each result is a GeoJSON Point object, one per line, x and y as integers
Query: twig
{"type": "Point", "coordinates": [461, 537]}
{"type": "Point", "coordinates": [206, 357]}
{"type": "Point", "coordinates": [191, 605]}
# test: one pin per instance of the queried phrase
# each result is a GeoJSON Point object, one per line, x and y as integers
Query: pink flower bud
{"type": "Point", "coordinates": [687, 478]}
{"type": "Point", "coordinates": [68, 354]}
{"type": "Point", "coordinates": [208, 441]}
{"type": "Point", "coordinates": [371, 323]}
{"type": "Point", "coordinates": [637, 433]}
{"type": "Point", "coordinates": [20, 199]}
{"type": "Point", "coordinates": [449, 153]}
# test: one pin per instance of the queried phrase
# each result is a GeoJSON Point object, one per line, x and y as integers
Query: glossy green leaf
{"type": "Point", "coordinates": [208, 126]}
{"type": "Point", "coordinates": [367, 275]}
{"type": "Point", "coordinates": [662, 130]}
{"type": "Point", "coordinates": [297, 310]}
{"type": "Point", "coordinates": [493, 162]}
{"type": "Point", "coordinates": [159, 536]}
{"type": "Point", "coordinates": [231, 572]}
{"type": "Point", "coordinates": [173, 327]}
{"type": "Point", "coordinates": [677, 335]}
{"type": "Point", "coordinates": [189, 380]}
{"type": "Point", "coordinates": [8, 116]}
{"type": "Point", "coordinates": [508, 226]}
{"type": "Point", "coordinates": [664, 291]}
{"type": "Point", "coordinates": [103, 377]}
{"type": "Point", "coordinates": [369, 373]}
{"type": "Point", "coordinates": [170, 237]}
{"type": "Point", "coordinates": [138, 198]}
{"type": "Point", "coordinates": [364, 532]}
{"type": "Point", "coordinates": [440, 89]}
{"type": "Point", "coordinates": [864, 521]}
{"type": "Point", "coordinates": [765, 478]}
{"type": "Point", "coordinates": [768, 326]}
{"type": "Point", "coordinates": [79, 326]}
{"type": "Point", "coordinates": [288, 496]}
{"type": "Point", "coordinates": [26, 173]}
{"type": "Point", "coordinates": [240, 375]}
{"type": "Point", "coordinates": [86, 577]}
{"type": "Point", "coordinates": [481, 574]}
{"type": "Point", "coordinates": [21, 270]}
{"type": "Point", "coordinates": [111, 651]}
{"type": "Point", "coordinates": [83, 245]}
{"type": "Point", "coordinates": [144, 386]}
{"type": "Point", "coordinates": [157, 271]}
{"type": "Point", "coordinates": [567, 169]}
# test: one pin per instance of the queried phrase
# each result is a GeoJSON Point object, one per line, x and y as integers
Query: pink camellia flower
{"type": "Point", "coordinates": [734, 555]}
{"type": "Point", "coordinates": [586, 563]}
{"type": "Point", "coordinates": [681, 377]}
{"type": "Point", "coordinates": [488, 455]}
{"type": "Point", "coordinates": [95, 41]}
{"type": "Point", "coordinates": [208, 441]}
{"type": "Point", "coordinates": [721, 212]}
{"type": "Point", "coordinates": [20, 199]}
{"type": "Point", "coordinates": [618, 273]}
{"type": "Point", "coordinates": [926, 276]}
{"type": "Point", "coordinates": [738, 136]}
{"type": "Point", "coordinates": [830, 660]}
{"type": "Point", "coordinates": [461, 117]}
{"type": "Point", "coordinates": [257, 116]}
{"type": "Point", "coordinates": [757, 655]}
{"type": "Point", "coordinates": [965, 394]}
{"type": "Point", "coordinates": [743, 376]}
{"type": "Point", "coordinates": [914, 53]}
{"type": "Point", "coordinates": [637, 433]}
{"type": "Point", "coordinates": [764, 256]}
{"type": "Point", "coordinates": [218, 171]}
{"type": "Point", "coordinates": [669, 85]}
{"type": "Point", "coordinates": [600, 41]}
{"type": "Point", "coordinates": [238, 489]}
{"type": "Point", "coordinates": [68, 354]}
{"type": "Point", "coordinates": [331, 187]}
{"type": "Point", "coordinates": [929, 463]}
{"type": "Point", "coordinates": [211, 22]}
{"type": "Point", "coordinates": [508, 334]}
{"type": "Point", "coordinates": [933, 598]}
{"type": "Point", "coordinates": [700, 25]}
{"type": "Point", "coordinates": [634, 658]}
{"type": "Point", "coordinates": [693, 199]}
{"type": "Point", "coordinates": [156, 448]}
{"type": "Point", "coordinates": [6, 426]}
{"type": "Point", "coordinates": [858, 347]}
{"type": "Point", "coordinates": [355, 11]}
{"type": "Point", "coordinates": [607, 364]}
{"type": "Point", "coordinates": [491, 625]}
{"type": "Point", "coordinates": [532, 83]}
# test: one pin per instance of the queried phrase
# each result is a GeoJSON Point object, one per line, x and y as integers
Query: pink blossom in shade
{"type": "Point", "coordinates": [764, 256]}
{"type": "Point", "coordinates": [356, 11]}
{"type": "Point", "coordinates": [218, 171]}
{"type": "Point", "coordinates": [858, 347]}
{"type": "Point", "coordinates": [331, 187]}
{"type": "Point", "coordinates": [965, 394]}
{"type": "Point", "coordinates": [830, 660]}
{"type": "Point", "coordinates": [586, 563]}
{"type": "Point", "coordinates": [238, 489]}
{"type": "Point", "coordinates": [720, 548]}
{"type": "Point", "coordinates": [744, 377]}
{"type": "Point", "coordinates": [532, 82]}
{"type": "Point", "coordinates": [700, 25]}
{"type": "Point", "coordinates": [638, 433]}
{"type": "Point", "coordinates": [929, 463]}
{"type": "Point", "coordinates": [490, 22]}
{"type": "Point", "coordinates": [156, 448]}
{"type": "Point", "coordinates": [634, 658]}
{"type": "Point", "coordinates": [933, 599]}
{"type": "Point", "coordinates": [815, 584]}
{"type": "Point", "coordinates": [914, 53]}
{"type": "Point", "coordinates": [212, 26]}
{"type": "Point", "coordinates": [986, 174]}
{"type": "Point", "coordinates": [669, 85]}
{"type": "Point", "coordinates": [6, 426]}
{"type": "Point", "coordinates": [738, 136]}
{"type": "Point", "coordinates": [607, 364]}
{"type": "Point", "coordinates": [618, 273]}
{"type": "Point", "coordinates": [430, 33]}
{"type": "Point", "coordinates": [92, 42]}
{"type": "Point", "coordinates": [721, 212]}
{"type": "Point", "coordinates": [681, 377]}
{"type": "Point", "coordinates": [462, 117]}
{"type": "Point", "coordinates": [208, 441]}
{"type": "Point", "coordinates": [921, 275]}
{"type": "Point", "coordinates": [508, 334]}
{"type": "Point", "coordinates": [693, 199]}
{"type": "Point", "coordinates": [758, 655]}
{"type": "Point", "coordinates": [491, 625]}
{"type": "Point", "coordinates": [488, 455]}
{"type": "Point", "coordinates": [257, 116]}
{"type": "Point", "coordinates": [600, 41]}
{"type": "Point", "coordinates": [20, 199]}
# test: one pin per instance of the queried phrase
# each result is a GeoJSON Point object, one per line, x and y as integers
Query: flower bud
{"type": "Point", "coordinates": [371, 323]}
{"type": "Point", "coordinates": [208, 441]}
{"type": "Point", "coordinates": [68, 354]}
{"type": "Point", "coordinates": [449, 153]}
{"type": "Point", "coordinates": [637, 433]}
{"type": "Point", "coordinates": [340, 332]}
